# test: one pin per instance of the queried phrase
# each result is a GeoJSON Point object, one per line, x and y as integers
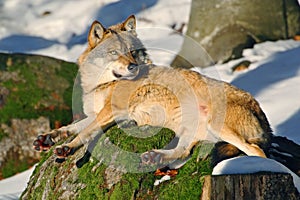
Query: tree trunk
{"type": "Point", "coordinates": [267, 186]}
{"type": "Point", "coordinates": [225, 28]}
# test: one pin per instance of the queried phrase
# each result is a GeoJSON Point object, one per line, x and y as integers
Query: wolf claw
{"type": "Point", "coordinates": [43, 143]}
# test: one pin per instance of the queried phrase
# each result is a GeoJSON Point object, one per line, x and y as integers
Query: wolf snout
{"type": "Point", "coordinates": [132, 67]}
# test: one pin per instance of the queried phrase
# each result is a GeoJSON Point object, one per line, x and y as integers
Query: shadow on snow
{"type": "Point", "coordinates": [279, 67]}
{"type": "Point", "coordinates": [109, 14]}
{"type": "Point", "coordinates": [114, 13]}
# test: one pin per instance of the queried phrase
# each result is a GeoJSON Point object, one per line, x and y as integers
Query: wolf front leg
{"type": "Point", "coordinates": [45, 141]}
{"type": "Point", "coordinates": [104, 120]}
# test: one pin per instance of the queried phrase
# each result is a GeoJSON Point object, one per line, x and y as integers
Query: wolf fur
{"type": "Point", "coordinates": [119, 82]}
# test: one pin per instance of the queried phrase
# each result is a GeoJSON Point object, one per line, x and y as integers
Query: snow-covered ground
{"type": "Point", "coordinates": [12, 187]}
{"type": "Point", "coordinates": [59, 29]}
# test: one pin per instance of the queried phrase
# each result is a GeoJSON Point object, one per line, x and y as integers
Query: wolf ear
{"type": "Point", "coordinates": [96, 34]}
{"type": "Point", "coordinates": [130, 23]}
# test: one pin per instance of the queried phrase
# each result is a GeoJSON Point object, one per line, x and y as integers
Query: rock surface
{"type": "Point", "coordinates": [16, 148]}
{"type": "Point", "coordinates": [225, 28]}
{"type": "Point", "coordinates": [35, 93]}
{"type": "Point", "coordinates": [110, 168]}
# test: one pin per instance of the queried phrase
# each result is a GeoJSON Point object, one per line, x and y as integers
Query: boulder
{"type": "Point", "coordinates": [110, 168]}
{"type": "Point", "coordinates": [225, 28]}
{"type": "Point", "coordinates": [35, 95]}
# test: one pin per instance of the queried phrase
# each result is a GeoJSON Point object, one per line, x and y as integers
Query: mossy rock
{"type": "Point", "coordinates": [36, 86]}
{"type": "Point", "coordinates": [31, 87]}
{"type": "Point", "coordinates": [109, 168]}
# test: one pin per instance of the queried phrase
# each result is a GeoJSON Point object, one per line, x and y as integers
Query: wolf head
{"type": "Point", "coordinates": [113, 53]}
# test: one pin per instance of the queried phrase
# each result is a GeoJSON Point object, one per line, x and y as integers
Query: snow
{"type": "Point", "coordinates": [163, 179]}
{"type": "Point", "coordinates": [59, 29]}
{"type": "Point", "coordinates": [12, 187]}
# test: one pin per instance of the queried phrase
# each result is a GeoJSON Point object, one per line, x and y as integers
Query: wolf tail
{"type": "Point", "coordinates": [286, 152]}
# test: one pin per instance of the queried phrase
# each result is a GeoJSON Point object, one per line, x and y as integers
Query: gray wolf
{"type": "Point", "coordinates": [120, 83]}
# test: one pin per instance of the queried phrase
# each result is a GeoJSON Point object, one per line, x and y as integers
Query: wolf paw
{"type": "Point", "coordinates": [43, 143]}
{"type": "Point", "coordinates": [62, 151]}
{"type": "Point", "coordinates": [151, 157]}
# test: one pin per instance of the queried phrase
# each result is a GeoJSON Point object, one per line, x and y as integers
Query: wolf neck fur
{"type": "Point", "coordinates": [92, 76]}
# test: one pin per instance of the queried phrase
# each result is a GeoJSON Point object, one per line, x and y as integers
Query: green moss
{"type": "Point", "coordinates": [40, 86]}
{"type": "Point", "coordinates": [95, 187]}
{"type": "Point", "coordinates": [48, 178]}
{"type": "Point", "coordinates": [2, 134]}
{"type": "Point", "coordinates": [90, 180]}
{"type": "Point", "coordinates": [37, 86]}
{"type": "Point", "coordinates": [12, 166]}
{"type": "Point", "coordinates": [127, 149]}
{"type": "Point", "coordinates": [139, 140]}
{"type": "Point", "coordinates": [186, 185]}
{"type": "Point", "coordinates": [39, 190]}
{"type": "Point", "coordinates": [126, 188]}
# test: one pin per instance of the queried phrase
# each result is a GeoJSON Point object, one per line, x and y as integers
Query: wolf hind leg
{"type": "Point", "coordinates": [222, 151]}
{"type": "Point", "coordinates": [240, 142]}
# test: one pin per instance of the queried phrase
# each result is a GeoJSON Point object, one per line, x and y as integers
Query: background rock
{"type": "Point", "coordinates": [16, 152]}
{"type": "Point", "coordinates": [225, 28]}
{"type": "Point", "coordinates": [35, 95]}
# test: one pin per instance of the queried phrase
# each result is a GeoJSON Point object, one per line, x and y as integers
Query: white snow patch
{"type": "Point", "coordinates": [12, 188]}
{"type": "Point", "coordinates": [163, 179]}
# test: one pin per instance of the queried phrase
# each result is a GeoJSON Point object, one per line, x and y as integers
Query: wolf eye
{"type": "Point", "coordinates": [113, 52]}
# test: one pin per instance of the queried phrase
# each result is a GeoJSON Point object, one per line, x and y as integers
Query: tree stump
{"type": "Point", "coordinates": [262, 186]}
